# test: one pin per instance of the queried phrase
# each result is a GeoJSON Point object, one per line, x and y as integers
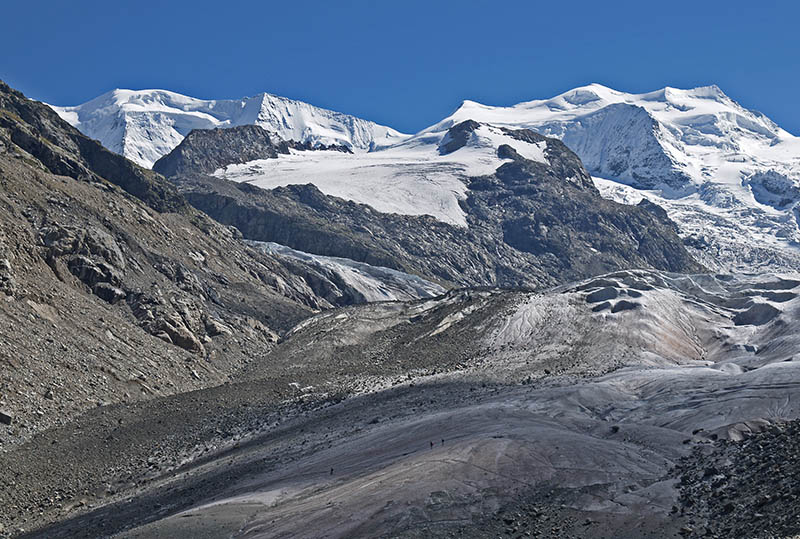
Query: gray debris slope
{"type": "Point", "coordinates": [744, 487]}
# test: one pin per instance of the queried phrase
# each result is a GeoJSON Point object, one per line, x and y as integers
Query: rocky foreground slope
{"type": "Point", "coordinates": [578, 412]}
{"type": "Point", "coordinates": [112, 288]}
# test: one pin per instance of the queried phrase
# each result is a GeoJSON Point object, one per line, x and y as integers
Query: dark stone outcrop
{"type": "Point", "coordinates": [206, 150]}
{"type": "Point", "coordinates": [457, 136]}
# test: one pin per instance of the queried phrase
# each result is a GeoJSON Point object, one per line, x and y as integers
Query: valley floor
{"type": "Point", "coordinates": [612, 407]}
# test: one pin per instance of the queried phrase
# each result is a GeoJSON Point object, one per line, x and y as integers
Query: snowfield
{"type": "Point", "coordinates": [409, 178]}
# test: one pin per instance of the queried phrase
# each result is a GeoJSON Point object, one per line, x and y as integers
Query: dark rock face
{"type": "Point", "coordinates": [658, 211]}
{"type": "Point", "coordinates": [206, 150]}
{"type": "Point", "coordinates": [556, 213]}
{"type": "Point", "coordinates": [530, 224]}
{"type": "Point", "coordinates": [457, 136]}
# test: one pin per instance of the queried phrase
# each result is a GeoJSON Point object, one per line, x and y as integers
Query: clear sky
{"type": "Point", "coordinates": [404, 63]}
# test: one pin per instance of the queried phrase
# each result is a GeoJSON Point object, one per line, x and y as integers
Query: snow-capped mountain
{"type": "Point", "coordinates": [673, 140]}
{"type": "Point", "coordinates": [144, 125]}
{"type": "Point", "coordinates": [727, 175]}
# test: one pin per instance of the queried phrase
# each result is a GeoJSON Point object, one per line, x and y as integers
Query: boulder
{"type": "Point", "coordinates": [108, 292]}
{"type": "Point", "coordinates": [179, 334]}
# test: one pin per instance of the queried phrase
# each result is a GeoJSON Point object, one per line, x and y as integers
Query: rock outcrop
{"type": "Point", "coordinates": [206, 150]}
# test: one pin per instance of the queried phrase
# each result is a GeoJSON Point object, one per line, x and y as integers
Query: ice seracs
{"type": "Point", "coordinates": [144, 125]}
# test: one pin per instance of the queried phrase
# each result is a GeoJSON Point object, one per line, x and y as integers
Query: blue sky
{"type": "Point", "coordinates": [409, 63]}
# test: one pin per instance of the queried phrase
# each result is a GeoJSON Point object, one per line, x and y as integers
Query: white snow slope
{"type": "Point", "coordinates": [144, 125]}
{"type": "Point", "coordinates": [730, 177]}
{"type": "Point", "coordinates": [374, 283]}
{"type": "Point", "coordinates": [411, 177]}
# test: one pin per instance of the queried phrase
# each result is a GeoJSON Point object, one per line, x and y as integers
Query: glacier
{"type": "Point", "coordinates": [372, 283]}
{"type": "Point", "coordinates": [412, 177]}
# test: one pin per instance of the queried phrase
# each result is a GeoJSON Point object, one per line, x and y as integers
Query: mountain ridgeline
{"type": "Point", "coordinates": [113, 288]}
{"type": "Point", "coordinates": [728, 176]}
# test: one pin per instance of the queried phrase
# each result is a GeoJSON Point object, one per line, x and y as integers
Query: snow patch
{"type": "Point", "coordinates": [374, 283]}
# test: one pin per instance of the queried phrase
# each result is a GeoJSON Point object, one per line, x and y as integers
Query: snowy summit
{"type": "Point", "coordinates": [144, 125]}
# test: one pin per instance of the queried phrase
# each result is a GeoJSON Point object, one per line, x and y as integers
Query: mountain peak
{"type": "Point", "coordinates": [669, 93]}
{"type": "Point", "coordinates": [676, 143]}
{"type": "Point", "coordinates": [467, 106]}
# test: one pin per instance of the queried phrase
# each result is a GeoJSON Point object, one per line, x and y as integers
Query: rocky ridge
{"type": "Point", "coordinates": [114, 288]}
{"type": "Point", "coordinates": [145, 125]}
